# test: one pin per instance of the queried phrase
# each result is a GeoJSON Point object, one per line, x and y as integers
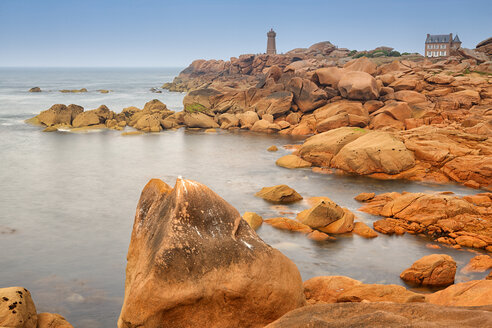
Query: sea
{"type": "Point", "coordinates": [67, 200]}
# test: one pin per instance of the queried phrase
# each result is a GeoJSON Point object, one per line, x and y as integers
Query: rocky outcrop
{"type": "Point", "coordinates": [485, 46]}
{"type": "Point", "coordinates": [175, 276]}
{"type": "Point", "coordinates": [433, 270]}
{"type": "Point", "coordinates": [347, 315]}
{"type": "Point", "coordinates": [443, 217]}
{"type": "Point", "coordinates": [35, 89]}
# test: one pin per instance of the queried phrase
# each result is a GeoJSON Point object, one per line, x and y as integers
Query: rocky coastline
{"type": "Point", "coordinates": [410, 119]}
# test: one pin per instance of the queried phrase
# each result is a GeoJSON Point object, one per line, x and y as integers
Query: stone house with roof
{"type": "Point", "coordinates": [440, 45]}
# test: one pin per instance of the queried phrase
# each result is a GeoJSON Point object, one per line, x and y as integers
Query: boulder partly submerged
{"type": "Point", "coordinates": [279, 194]}
{"type": "Point", "coordinates": [193, 261]}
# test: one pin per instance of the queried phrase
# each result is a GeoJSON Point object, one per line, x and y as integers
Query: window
{"type": "Point", "coordinates": [443, 46]}
{"type": "Point", "coordinates": [444, 53]}
{"type": "Point", "coordinates": [428, 53]}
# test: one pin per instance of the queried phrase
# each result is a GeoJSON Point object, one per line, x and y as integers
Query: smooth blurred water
{"type": "Point", "coordinates": [71, 198]}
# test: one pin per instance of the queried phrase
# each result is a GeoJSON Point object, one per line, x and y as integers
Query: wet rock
{"type": "Point", "coordinates": [292, 162]}
{"type": "Point", "coordinates": [288, 224]}
{"type": "Point", "coordinates": [17, 310]}
{"type": "Point", "coordinates": [319, 236]}
{"type": "Point", "coordinates": [73, 90]}
{"type": "Point", "coordinates": [52, 320]}
{"type": "Point", "coordinates": [253, 219]}
{"type": "Point", "coordinates": [279, 193]}
{"type": "Point", "coordinates": [321, 215]}
{"type": "Point", "coordinates": [470, 293]}
{"type": "Point", "coordinates": [365, 196]}
{"type": "Point", "coordinates": [431, 270]}
{"type": "Point", "coordinates": [174, 275]}
{"type": "Point", "coordinates": [35, 89]}
{"type": "Point", "coordinates": [347, 315]}
{"type": "Point", "coordinates": [272, 148]}
{"type": "Point", "coordinates": [364, 230]}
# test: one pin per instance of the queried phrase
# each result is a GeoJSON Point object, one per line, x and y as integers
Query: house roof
{"type": "Point", "coordinates": [437, 38]}
{"type": "Point", "coordinates": [456, 39]}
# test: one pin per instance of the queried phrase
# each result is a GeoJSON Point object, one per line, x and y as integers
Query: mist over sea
{"type": "Point", "coordinates": [67, 200]}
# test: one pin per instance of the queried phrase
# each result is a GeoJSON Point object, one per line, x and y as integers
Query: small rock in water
{"type": "Point", "coordinates": [75, 298]}
{"type": "Point", "coordinates": [35, 89]}
{"type": "Point", "coordinates": [272, 148]}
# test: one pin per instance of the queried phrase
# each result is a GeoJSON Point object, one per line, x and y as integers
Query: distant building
{"type": "Point", "coordinates": [271, 48]}
{"type": "Point", "coordinates": [440, 45]}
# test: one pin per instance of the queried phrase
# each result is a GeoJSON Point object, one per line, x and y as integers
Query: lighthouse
{"type": "Point", "coordinates": [271, 48]}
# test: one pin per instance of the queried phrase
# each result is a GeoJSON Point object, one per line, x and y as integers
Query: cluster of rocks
{"type": "Point", "coordinates": [174, 274]}
{"type": "Point", "coordinates": [324, 219]}
{"type": "Point", "coordinates": [436, 114]}
{"type": "Point", "coordinates": [17, 310]}
{"type": "Point", "coordinates": [82, 90]}
{"type": "Point", "coordinates": [426, 153]}
{"type": "Point", "coordinates": [152, 118]}
{"type": "Point", "coordinates": [449, 219]}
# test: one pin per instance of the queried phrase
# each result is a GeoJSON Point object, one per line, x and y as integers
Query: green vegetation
{"type": "Point", "coordinates": [467, 71]}
{"type": "Point", "coordinates": [360, 130]}
{"type": "Point", "coordinates": [377, 53]}
{"type": "Point", "coordinates": [353, 52]}
{"type": "Point", "coordinates": [195, 107]}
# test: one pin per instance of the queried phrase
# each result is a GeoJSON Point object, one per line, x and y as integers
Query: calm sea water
{"type": "Point", "coordinates": [67, 201]}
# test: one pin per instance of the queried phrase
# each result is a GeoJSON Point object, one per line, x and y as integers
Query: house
{"type": "Point", "coordinates": [440, 45]}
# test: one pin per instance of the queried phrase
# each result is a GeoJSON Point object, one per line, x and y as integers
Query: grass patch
{"type": "Point", "coordinates": [359, 129]}
{"type": "Point", "coordinates": [195, 108]}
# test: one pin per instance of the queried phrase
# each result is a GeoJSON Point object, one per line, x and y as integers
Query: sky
{"type": "Point", "coordinates": [160, 33]}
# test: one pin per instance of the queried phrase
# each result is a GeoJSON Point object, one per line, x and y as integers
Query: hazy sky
{"type": "Point", "coordinates": [173, 33]}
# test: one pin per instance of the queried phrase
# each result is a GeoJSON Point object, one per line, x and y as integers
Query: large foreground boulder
{"type": "Point", "coordinates": [349, 315]}
{"type": "Point", "coordinates": [17, 310]}
{"type": "Point", "coordinates": [193, 262]}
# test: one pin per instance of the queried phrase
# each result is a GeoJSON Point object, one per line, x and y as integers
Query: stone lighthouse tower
{"type": "Point", "coordinates": [271, 48]}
